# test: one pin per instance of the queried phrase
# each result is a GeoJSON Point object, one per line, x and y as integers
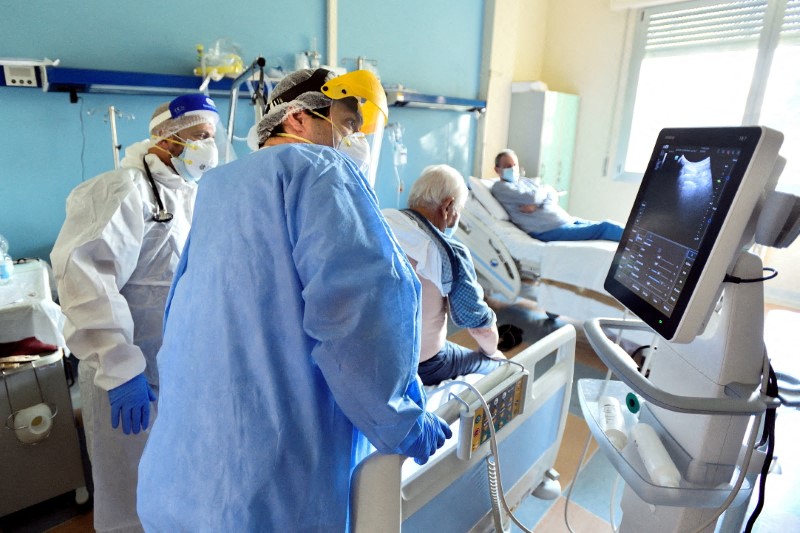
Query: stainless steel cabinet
{"type": "Point", "coordinates": [51, 464]}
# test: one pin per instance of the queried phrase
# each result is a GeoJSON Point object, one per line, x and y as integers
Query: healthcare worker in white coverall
{"type": "Point", "coordinates": [113, 262]}
{"type": "Point", "coordinates": [291, 336]}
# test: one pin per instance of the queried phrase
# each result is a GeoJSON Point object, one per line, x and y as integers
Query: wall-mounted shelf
{"type": "Point", "coordinates": [52, 78]}
{"type": "Point", "coordinates": [76, 80]}
{"type": "Point", "coordinates": [404, 98]}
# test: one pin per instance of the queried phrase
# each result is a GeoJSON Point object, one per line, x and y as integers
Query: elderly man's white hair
{"type": "Point", "coordinates": [435, 184]}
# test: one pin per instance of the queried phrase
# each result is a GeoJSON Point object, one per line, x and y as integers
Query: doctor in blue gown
{"type": "Point", "coordinates": [291, 332]}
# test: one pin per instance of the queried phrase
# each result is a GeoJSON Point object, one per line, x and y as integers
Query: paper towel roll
{"type": "Point", "coordinates": [33, 424]}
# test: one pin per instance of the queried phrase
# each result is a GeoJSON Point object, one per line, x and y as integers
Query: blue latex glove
{"type": "Point", "coordinates": [434, 432]}
{"type": "Point", "coordinates": [131, 403]}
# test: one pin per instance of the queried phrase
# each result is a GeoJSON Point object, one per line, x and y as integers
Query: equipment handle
{"type": "Point", "coordinates": [621, 364]}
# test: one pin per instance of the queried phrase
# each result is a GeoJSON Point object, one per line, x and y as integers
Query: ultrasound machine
{"type": "Point", "coordinates": [706, 393]}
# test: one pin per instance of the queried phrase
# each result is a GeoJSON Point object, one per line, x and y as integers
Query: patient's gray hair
{"type": "Point", "coordinates": [435, 184]}
{"type": "Point", "coordinates": [508, 152]}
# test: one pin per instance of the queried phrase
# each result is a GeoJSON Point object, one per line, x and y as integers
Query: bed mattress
{"type": "Point", "coordinates": [580, 263]}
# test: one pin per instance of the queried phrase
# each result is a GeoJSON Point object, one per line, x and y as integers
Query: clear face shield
{"type": "Point", "coordinates": [349, 136]}
{"type": "Point", "coordinates": [224, 146]}
{"type": "Point", "coordinates": [359, 112]}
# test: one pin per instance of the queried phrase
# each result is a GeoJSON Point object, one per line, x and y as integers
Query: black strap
{"type": "Point", "coordinates": [161, 215]}
{"type": "Point", "coordinates": [152, 184]}
{"type": "Point", "coordinates": [768, 438]}
{"type": "Point", "coordinates": [313, 83]}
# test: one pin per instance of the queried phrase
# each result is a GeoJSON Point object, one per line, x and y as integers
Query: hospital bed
{"type": "Point", "coordinates": [451, 493]}
{"type": "Point", "coordinates": [569, 276]}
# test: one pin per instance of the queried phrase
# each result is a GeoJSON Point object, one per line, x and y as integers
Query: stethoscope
{"type": "Point", "coordinates": [162, 215]}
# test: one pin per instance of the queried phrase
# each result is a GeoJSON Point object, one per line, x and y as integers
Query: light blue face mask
{"type": "Point", "coordinates": [449, 232]}
{"type": "Point", "coordinates": [510, 174]}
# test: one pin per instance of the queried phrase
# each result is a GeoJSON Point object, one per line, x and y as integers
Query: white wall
{"type": "Point", "coordinates": [531, 24]}
{"type": "Point", "coordinates": [514, 37]}
{"type": "Point", "coordinates": [582, 55]}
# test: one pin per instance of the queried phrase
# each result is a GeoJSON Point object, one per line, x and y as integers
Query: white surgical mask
{"type": "Point", "coordinates": [356, 147]}
{"type": "Point", "coordinates": [197, 157]}
{"type": "Point", "coordinates": [510, 174]}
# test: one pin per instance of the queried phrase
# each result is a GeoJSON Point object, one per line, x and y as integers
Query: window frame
{"type": "Point", "coordinates": [767, 44]}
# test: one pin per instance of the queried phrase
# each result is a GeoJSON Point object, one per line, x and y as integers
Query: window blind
{"type": "Point", "coordinates": [619, 5]}
{"type": "Point", "coordinates": [725, 24]}
{"type": "Point", "coordinates": [790, 29]}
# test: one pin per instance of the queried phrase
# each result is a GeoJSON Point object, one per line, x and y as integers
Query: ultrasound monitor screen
{"type": "Point", "coordinates": [686, 191]}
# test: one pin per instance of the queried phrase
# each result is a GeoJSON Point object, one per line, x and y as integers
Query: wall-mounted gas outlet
{"type": "Point", "coordinates": [20, 76]}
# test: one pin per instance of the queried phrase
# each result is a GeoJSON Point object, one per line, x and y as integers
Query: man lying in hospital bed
{"type": "Point", "coordinates": [569, 275]}
{"type": "Point", "coordinates": [533, 207]}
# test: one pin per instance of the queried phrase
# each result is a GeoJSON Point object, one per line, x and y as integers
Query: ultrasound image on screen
{"type": "Point", "coordinates": [682, 195]}
{"type": "Point", "coordinates": [671, 219]}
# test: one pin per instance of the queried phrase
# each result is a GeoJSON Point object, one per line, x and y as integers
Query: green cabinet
{"type": "Point", "coordinates": [542, 129]}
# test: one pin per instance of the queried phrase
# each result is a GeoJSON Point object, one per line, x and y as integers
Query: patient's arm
{"type": "Point", "coordinates": [487, 339]}
{"type": "Point", "coordinates": [529, 208]}
{"type": "Point", "coordinates": [552, 193]}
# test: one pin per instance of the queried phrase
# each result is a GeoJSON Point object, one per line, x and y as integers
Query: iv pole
{"type": "Point", "coordinates": [115, 146]}
{"type": "Point", "coordinates": [258, 64]}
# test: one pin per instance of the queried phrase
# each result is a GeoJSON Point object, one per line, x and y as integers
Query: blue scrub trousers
{"type": "Point", "coordinates": [582, 230]}
{"type": "Point", "coordinates": [452, 361]}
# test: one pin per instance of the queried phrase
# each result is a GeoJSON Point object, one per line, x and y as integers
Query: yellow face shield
{"type": "Point", "coordinates": [359, 95]}
{"type": "Point", "coordinates": [363, 85]}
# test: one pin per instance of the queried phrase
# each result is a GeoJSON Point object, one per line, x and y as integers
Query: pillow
{"type": "Point", "coordinates": [482, 191]}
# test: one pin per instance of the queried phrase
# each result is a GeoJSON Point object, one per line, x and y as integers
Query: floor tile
{"type": "Point", "coordinates": [594, 486]}
{"type": "Point", "coordinates": [572, 445]}
{"type": "Point", "coordinates": [580, 520]}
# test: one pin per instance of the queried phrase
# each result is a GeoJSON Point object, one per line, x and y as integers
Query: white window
{"type": "Point", "coordinates": [713, 63]}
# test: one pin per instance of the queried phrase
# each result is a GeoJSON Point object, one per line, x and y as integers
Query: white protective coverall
{"type": "Point", "coordinates": [113, 266]}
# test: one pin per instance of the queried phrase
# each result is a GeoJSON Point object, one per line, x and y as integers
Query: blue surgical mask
{"type": "Point", "coordinates": [449, 232]}
{"type": "Point", "coordinates": [510, 174]}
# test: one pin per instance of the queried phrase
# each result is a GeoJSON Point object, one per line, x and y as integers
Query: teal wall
{"type": "Point", "coordinates": [48, 145]}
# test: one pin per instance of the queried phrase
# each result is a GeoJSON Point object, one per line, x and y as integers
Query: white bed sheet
{"type": "Point", "coordinates": [522, 247]}
{"type": "Point", "coordinates": [580, 263]}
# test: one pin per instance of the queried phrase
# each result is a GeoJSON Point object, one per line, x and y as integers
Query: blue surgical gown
{"type": "Point", "coordinates": [291, 333]}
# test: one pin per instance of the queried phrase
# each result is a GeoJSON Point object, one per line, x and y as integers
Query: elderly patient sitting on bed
{"type": "Point", "coordinates": [447, 275]}
{"type": "Point", "coordinates": [534, 207]}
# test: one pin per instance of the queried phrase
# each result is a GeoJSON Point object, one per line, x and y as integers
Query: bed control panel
{"type": "Point", "coordinates": [505, 402]}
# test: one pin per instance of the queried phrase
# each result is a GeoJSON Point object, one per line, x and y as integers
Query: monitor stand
{"type": "Point", "coordinates": [702, 394]}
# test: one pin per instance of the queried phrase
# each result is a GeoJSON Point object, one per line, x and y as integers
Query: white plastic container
{"type": "Point", "coordinates": [657, 462]}
{"type": "Point", "coordinates": [6, 269]}
{"type": "Point", "coordinates": [6, 263]}
{"type": "Point", "coordinates": [611, 421]}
